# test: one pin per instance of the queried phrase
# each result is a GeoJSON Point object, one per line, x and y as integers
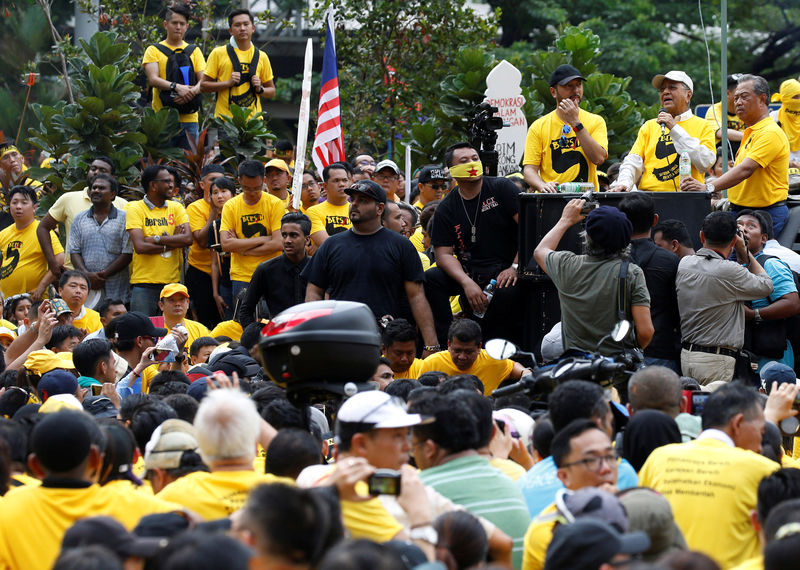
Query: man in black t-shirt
{"type": "Point", "coordinates": [478, 222]}
{"type": "Point", "coordinates": [372, 265]}
{"type": "Point", "coordinates": [660, 267]}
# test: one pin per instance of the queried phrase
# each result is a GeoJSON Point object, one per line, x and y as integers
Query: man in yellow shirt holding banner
{"type": "Point", "coordinates": [759, 179]}
{"type": "Point", "coordinates": [567, 144]}
{"type": "Point", "coordinates": [655, 154]}
{"type": "Point", "coordinates": [239, 72]}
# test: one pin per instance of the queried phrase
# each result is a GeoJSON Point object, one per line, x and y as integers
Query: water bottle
{"type": "Point", "coordinates": [574, 187]}
{"type": "Point", "coordinates": [685, 166]}
{"type": "Point", "coordinates": [489, 292]}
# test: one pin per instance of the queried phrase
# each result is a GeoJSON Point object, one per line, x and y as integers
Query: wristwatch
{"type": "Point", "coordinates": [757, 316]}
{"type": "Point", "coordinates": [157, 239]}
{"type": "Point", "coordinates": [260, 90]}
{"type": "Point", "coordinates": [172, 86]}
{"type": "Point", "coordinates": [432, 348]}
{"type": "Point", "coordinates": [710, 187]}
{"type": "Point", "coordinates": [515, 266]}
{"type": "Point", "coordinates": [426, 533]}
{"type": "Point", "coordinates": [578, 127]}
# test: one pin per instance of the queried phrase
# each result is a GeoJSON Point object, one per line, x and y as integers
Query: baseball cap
{"type": "Point", "coordinates": [279, 164]}
{"type": "Point", "coordinates": [100, 406]}
{"type": "Point", "coordinates": [592, 502]}
{"type": "Point", "coordinates": [105, 531]}
{"type": "Point", "coordinates": [56, 382]}
{"type": "Point", "coordinates": [432, 172]}
{"type": "Point", "coordinates": [133, 324]}
{"type": "Point", "coordinates": [368, 188]}
{"type": "Point", "coordinates": [43, 361]}
{"type": "Point", "coordinates": [167, 444]}
{"type": "Point", "coordinates": [651, 512]}
{"type": "Point", "coordinates": [608, 227]}
{"type": "Point", "coordinates": [588, 543]}
{"type": "Point", "coordinates": [7, 333]}
{"type": "Point", "coordinates": [59, 402]}
{"type": "Point", "coordinates": [387, 164]}
{"type": "Point", "coordinates": [380, 409]}
{"type": "Point", "coordinates": [235, 360]}
{"type": "Point", "coordinates": [520, 422]}
{"type": "Point", "coordinates": [674, 75]}
{"type": "Point", "coordinates": [173, 289]}
{"type": "Point", "coordinates": [564, 74]}
{"type": "Point", "coordinates": [776, 372]}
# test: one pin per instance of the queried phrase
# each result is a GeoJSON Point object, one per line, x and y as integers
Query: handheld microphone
{"type": "Point", "coordinates": [662, 110]}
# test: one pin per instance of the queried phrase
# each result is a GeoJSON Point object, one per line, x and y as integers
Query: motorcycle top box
{"type": "Point", "coordinates": [322, 344]}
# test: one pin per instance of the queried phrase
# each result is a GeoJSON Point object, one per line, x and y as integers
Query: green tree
{"type": "Point", "coordinates": [392, 62]}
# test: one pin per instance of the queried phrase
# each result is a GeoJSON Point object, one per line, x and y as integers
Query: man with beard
{"type": "Point", "coordinates": [567, 144]}
{"type": "Point", "coordinates": [655, 154]}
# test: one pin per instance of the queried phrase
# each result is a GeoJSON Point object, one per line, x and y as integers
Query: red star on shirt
{"type": "Point", "coordinates": [473, 172]}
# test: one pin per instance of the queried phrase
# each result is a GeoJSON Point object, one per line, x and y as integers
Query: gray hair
{"type": "Point", "coordinates": [760, 85]}
{"type": "Point", "coordinates": [227, 424]}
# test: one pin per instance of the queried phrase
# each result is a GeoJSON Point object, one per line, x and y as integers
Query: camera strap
{"type": "Point", "coordinates": [622, 290]}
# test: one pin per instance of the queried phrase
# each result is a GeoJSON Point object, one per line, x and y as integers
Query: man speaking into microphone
{"type": "Point", "coordinates": [655, 154]}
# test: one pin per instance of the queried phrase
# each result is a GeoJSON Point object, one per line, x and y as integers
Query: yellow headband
{"type": "Point", "coordinates": [8, 149]}
{"type": "Point", "coordinates": [467, 170]}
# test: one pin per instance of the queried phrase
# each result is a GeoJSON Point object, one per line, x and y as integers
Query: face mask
{"type": "Point", "coordinates": [467, 170]}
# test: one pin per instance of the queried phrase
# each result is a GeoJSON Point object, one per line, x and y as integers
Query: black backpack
{"type": "Point", "coordinates": [247, 98]}
{"type": "Point", "coordinates": [180, 57]}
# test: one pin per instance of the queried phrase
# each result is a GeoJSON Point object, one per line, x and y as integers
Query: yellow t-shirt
{"type": "Point", "coordinates": [220, 68]}
{"type": "Point", "coordinates": [756, 563]}
{"type": "Point", "coordinates": [490, 371]}
{"type": "Point", "coordinates": [260, 219]}
{"type": "Point", "coordinates": [153, 54]}
{"type": "Point", "coordinates": [153, 267]}
{"type": "Point", "coordinates": [511, 469]}
{"type": "Point", "coordinates": [707, 481]}
{"type": "Point", "coordinates": [715, 113]}
{"type": "Point", "coordinates": [24, 264]}
{"type": "Point", "coordinates": [326, 217]}
{"type": "Point", "coordinates": [196, 330]}
{"type": "Point", "coordinates": [363, 519]}
{"type": "Point", "coordinates": [216, 495]}
{"type": "Point", "coordinates": [90, 321]}
{"type": "Point", "coordinates": [199, 255]}
{"type": "Point", "coordinates": [538, 538]}
{"type": "Point", "coordinates": [659, 156]}
{"type": "Point", "coordinates": [413, 371]}
{"type": "Point", "coordinates": [47, 512]}
{"type": "Point", "coordinates": [69, 205]}
{"type": "Point", "coordinates": [23, 480]}
{"type": "Point", "coordinates": [563, 159]}
{"type": "Point", "coordinates": [132, 502]}
{"type": "Point", "coordinates": [231, 329]}
{"type": "Point", "coordinates": [416, 239]}
{"type": "Point", "coordinates": [767, 144]}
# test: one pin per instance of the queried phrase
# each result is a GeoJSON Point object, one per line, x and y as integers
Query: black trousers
{"type": "Point", "coordinates": [503, 319]}
{"type": "Point", "coordinates": [202, 296]}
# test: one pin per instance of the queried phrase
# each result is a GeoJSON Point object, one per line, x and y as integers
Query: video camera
{"type": "Point", "coordinates": [482, 134]}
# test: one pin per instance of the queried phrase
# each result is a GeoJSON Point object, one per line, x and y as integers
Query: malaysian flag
{"type": "Point", "coordinates": [329, 139]}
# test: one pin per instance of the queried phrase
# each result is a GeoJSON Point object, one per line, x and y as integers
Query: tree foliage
{"type": "Point", "coordinates": [392, 61]}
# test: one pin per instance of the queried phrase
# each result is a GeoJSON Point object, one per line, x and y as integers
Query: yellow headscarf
{"type": "Point", "coordinates": [789, 113]}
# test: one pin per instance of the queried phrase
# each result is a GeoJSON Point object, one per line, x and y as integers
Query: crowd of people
{"type": "Point", "coordinates": [141, 429]}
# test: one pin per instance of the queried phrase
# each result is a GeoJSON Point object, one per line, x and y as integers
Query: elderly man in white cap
{"type": "Point", "coordinates": [655, 155]}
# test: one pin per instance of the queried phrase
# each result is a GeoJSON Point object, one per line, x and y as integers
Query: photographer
{"type": "Point", "coordinates": [711, 295]}
{"type": "Point", "coordinates": [478, 223]}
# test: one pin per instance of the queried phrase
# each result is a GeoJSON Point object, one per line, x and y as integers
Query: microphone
{"type": "Point", "coordinates": [662, 110]}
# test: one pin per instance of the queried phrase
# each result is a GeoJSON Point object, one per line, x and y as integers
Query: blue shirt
{"type": "Point", "coordinates": [782, 284]}
{"type": "Point", "coordinates": [540, 484]}
{"type": "Point", "coordinates": [125, 391]}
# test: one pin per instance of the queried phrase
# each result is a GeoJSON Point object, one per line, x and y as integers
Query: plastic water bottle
{"type": "Point", "coordinates": [489, 292]}
{"type": "Point", "coordinates": [574, 187]}
{"type": "Point", "coordinates": [685, 166]}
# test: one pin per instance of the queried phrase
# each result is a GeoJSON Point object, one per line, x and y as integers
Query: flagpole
{"type": "Point", "coordinates": [407, 198]}
{"type": "Point", "coordinates": [302, 129]}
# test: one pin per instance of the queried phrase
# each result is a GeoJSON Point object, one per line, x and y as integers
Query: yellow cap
{"type": "Point", "coordinates": [60, 402]}
{"type": "Point", "coordinates": [43, 361]}
{"type": "Point", "coordinates": [172, 289]}
{"type": "Point", "coordinates": [279, 164]}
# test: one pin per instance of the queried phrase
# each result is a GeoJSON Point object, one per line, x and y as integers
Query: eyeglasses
{"type": "Point", "coordinates": [308, 185]}
{"type": "Point", "coordinates": [366, 163]}
{"type": "Point", "coordinates": [391, 176]}
{"type": "Point", "coordinates": [436, 186]}
{"type": "Point", "coordinates": [594, 462]}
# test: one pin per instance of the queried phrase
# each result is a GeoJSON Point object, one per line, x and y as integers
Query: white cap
{"type": "Point", "coordinates": [378, 408]}
{"type": "Point", "coordinates": [387, 164]}
{"type": "Point", "coordinates": [522, 423]}
{"type": "Point", "coordinates": [167, 444]}
{"type": "Point", "coordinates": [674, 75]}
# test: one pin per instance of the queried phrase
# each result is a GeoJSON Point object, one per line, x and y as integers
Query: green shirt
{"type": "Point", "coordinates": [483, 490]}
